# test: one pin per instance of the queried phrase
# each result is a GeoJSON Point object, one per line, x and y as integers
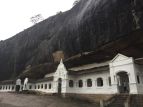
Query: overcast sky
{"type": "Point", "coordinates": [15, 14]}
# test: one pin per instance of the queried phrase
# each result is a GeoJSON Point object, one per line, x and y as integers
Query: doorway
{"type": "Point", "coordinates": [123, 82]}
{"type": "Point", "coordinates": [59, 86]}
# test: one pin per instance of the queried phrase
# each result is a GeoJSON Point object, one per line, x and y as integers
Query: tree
{"type": "Point", "coordinates": [37, 18]}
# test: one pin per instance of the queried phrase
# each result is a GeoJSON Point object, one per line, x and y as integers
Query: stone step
{"type": "Point", "coordinates": [119, 101]}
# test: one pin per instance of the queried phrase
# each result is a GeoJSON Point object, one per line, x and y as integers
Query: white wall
{"type": "Point", "coordinates": [118, 64]}
{"type": "Point", "coordinates": [105, 89]}
{"type": "Point", "coordinates": [122, 63]}
{"type": "Point", "coordinates": [9, 88]}
{"type": "Point", "coordinates": [139, 72]}
{"type": "Point", "coordinates": [61, 72]}
{"type": "Point", "coordinates": [48, 90]}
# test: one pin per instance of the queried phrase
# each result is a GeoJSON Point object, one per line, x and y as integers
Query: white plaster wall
{"type": "Point", "coordinates": [61, 72]}
{"type": "Point", "coordinates": [42, 89]}
{"type": "Point", "coordinates": [139, 72]}
{"type": "Point", "coordinates": [125, 64]}
{"type": "Point", "coordinates": [7, 90]}
{"type": "Point", "coordinates": [118, 64]}
{"type": "Point", "coordinates": [106, 89]}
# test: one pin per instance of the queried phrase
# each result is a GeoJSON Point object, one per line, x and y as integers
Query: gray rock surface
{"type": "Point", "coordinates": [88, 25]}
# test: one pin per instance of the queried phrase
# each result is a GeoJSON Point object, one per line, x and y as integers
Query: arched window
{"type": "Point", "coordinates": [80, 83]}
{"type": "Point", "coordinates": [35, 87]}
{"type": "Point", "coordinates": [0, 87]}
{"type": "Point", "coordinates": [138, 79]}
{"type": "Point", "coordinates": [38, 86]}
{"type": "Point", "coordinates": [71, 83]}
{"type": "Point", "coordinates": [41, 86]}
{"type": "Point", "coordinates": [109, 79]}
{"type": "Point", "coordinates": [12, 87]}
{"type": "Point", "coordinates": [50, 86]}
{"type": "Point", "coordinates": [9, 87]}
{"type": "Point", "coordinates": [89, 83]}
{"type": "Point", "coordinates": [45, 86]}
{"type": "Point", "coordinates": [99, 82]}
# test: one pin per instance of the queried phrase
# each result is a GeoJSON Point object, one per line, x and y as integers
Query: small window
{"type": "Point", "coordinates": [89, 83]}
{"type": "Point", "coordinates": [50, 86]}
{"type": "Point", "coordinates": [45, 86]}
{"type": "Point", "coordinates": [99, 82]}
{"type": "Point", "coordinates": [80, 83]}
{"type": "Point", "coordinates": [38, 86]}
{"type": "Point", "coordinates": [41, 86]}
{"type": "Point", "coordinates": [6, 88]}
{"type": "Point", "coordinates": [138, 79]}
{"type": "Point", "coordinates": [71, 83]}
{"type": "Point", "coordinates": [9, 87]}
{"type": "Point", "coordinates": [30, 86]}
{"type": "Point", "coordinates": [12, 87]}
{"type": "Point", "coordinates": [109, 79]}
{"type": "Point", "coordinates": [35, 87]}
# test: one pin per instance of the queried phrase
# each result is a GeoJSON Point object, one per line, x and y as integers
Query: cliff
{"type": "Point", "coordinates": [89, 25]}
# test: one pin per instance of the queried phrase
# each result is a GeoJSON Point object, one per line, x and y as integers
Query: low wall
{"type": "Point", "coordinates": [90, 97]}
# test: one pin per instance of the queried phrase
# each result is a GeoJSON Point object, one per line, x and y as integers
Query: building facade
{"type": "Point", "coordinates": [120, 75]}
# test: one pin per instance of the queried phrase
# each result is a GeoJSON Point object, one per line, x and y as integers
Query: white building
{"type": "Point", "coordinates": [120, 75]}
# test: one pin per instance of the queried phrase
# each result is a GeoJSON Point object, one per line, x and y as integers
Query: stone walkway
{"type": "Point", "coordinates": [26, 100]}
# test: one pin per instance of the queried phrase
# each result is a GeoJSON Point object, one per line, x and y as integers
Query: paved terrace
{"type": "Point", "coordinates": [27, 100]}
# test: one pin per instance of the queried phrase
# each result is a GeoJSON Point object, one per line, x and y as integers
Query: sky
{"type": "Point", "coordinates": [15, 14]}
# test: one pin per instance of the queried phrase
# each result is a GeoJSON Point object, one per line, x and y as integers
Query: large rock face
{"type": "Point", "coordinates": [88, 25]}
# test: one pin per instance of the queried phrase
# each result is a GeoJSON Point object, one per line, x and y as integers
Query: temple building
{"type": "Point", "coordinates": [122, 74]}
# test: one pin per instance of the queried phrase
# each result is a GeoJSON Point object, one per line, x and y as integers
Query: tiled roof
{"type": "Point", "coordinates": [42, 80]}
{"type": "Point", "coordinates": [7, 82]}
{"type": "Point", "coordinates": [92, 70]}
